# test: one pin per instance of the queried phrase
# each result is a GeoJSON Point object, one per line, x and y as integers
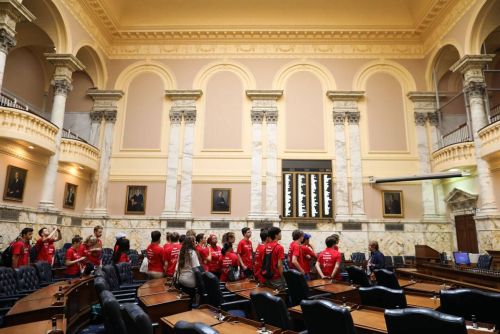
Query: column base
{"type": "Point", "coordinates": [342, 218]}
{"type": "Point", "coordinates": [165, 215]}
{"type": "Point", "coordinates": [184, 216]}
{"type": "Point", "coordinates": [96, 213]}
{"type": "Point", "coordinates": [256, 216]}
{"type": "Point", "coordinates": [47, 207]}
{"type": "Point", "coordinates": [358, 218]}
{"type": "Point", "coordinates": [433, 218]}
{"type": "Point", "coordinates": [272, 216]}
{"type": "Point", "coordinates": [487, 211]}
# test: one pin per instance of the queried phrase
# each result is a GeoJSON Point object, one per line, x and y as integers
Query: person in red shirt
{"type": "Point", "coordinates": [154, 252]}
{"type": "Point", "coordinates": [202, 250]}
{"type": "Point", "coordinates": [91, 248]}
{"type": "Point", "coordinates": [21, 248]}
{"type": "Point", "coordinates": [294, 251]}
{"type": "Point", "coordinates": [229, 238]}
{"type": "Point", "coordinates": [229, 261]}
{"type": "Point", "coordinates": [214, 264]}
{"type": "Point", "coordinates": [277, 255]}
{"type": "Point", "coordinates": [328, 264]}
{"type": "Point", "coordinates": [120, 254]}
{"type": "Point", "coordinates": [306, 255]}
{"type": "Point", "coordinates": [45, 244]}
{"type": "Point", "coordinates": [74, 258]}
{"type": "Point", "coordinates": [245, 252]}
{"type": "Point", "coordinates": [259, 256]}
{"type": "Point", "coordinates": [171, 254]}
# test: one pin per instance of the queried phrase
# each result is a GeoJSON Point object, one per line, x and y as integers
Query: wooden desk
{"type": "Point", "coordinates": [152, 290]}
{"type": "Point", "coordinates": [37, 327]}
{"type": "Point", "coordinates": [318, 282]}
{"type": "Point", "coordinates": [405, 282]}
{"type": "Point", "coordinates": [429, 288]}
{"type": "Point", "coordinates": [246, 293]}
{"type": "Point", "coordinates": [163, 304]}
{"type": "Point", "coordinates": [340, 290]}
{"type": "Point", "coordinates": [241, 326]}
{"type": "Point", "coordinates": [423, 301]}
{"type": "Point", "coordinates": [241, 286]}
{"type": "Point", "coordinates": [205, 314]}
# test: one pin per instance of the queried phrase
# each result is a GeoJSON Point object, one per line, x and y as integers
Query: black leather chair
{"type": "Point", "coordinates": [44, 272]}
{"type": "Point", "coordinates": [272, 309]}
{"type": "Point", "coordinates": [200, 286]}
{"type": "Point", "coordinates": [443, 258]}
{"type": "Point", "coordinates": [388, 264]}
{"type": "Point", "coordinates": [9, 292]}
{"type": "Point", "coordinates": [398, 261]}
{"type": "Point", "coordinates": [122, 292]}
{"type": "Point", "coordinates": [387, 278]}
{"type": "Point", "coordinates": [420, 320]}
{"type": "Point", "coordinates": [379, 296]}
{"type": "Point", "coordinates": [298, 289]}
{"type": "Point", "coordinates": [136, 320]}
{"type": "Point", "coordinates": [60, 258]}
{"type": "Point", "coordinates": [410, 260]}
{"type": "Point", "coordinates": [111, 311]}
{"type": "Point", "coordinates": [484, 261]}
{"type": "Point", "coordinates": [358, 276]}
{"type": "Point", "coordinates": [322, 314]}
{"type": "Point", "coordinates": [100, 285]}
{"type": "Point", "coordinates": [27, 279]}
{"type": "Point", "coordinates": [135, 258]}
{"type": "Point", "coordinates": [184, 327]}
{"type": "Point", "coordinates": [107, 259]}
{"type": "Point", "coordinates": [358, 258]}
{"type": "Point", "coordinates": [125, 275]}
{"type": "Point", "coordinates": [467, 302]}
{"type": "Point", "coordinates": [227, 302]}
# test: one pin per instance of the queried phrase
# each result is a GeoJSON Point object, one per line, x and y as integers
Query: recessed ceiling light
{"type": "Point", "coordinates": [31, 147]}
{"type": "Point", "coordinates": [454, 170]}
{"type": "Point", "coordinates": [80, 167]}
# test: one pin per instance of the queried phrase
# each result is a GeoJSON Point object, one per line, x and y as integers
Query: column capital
{"type": "Point", "coordinates": [65, 65]}
{"type": "Point", "coordinates": [175, 116]}
{"type": "Point", "coordinates": [433, 118]}
{"type": "Point", "coordinates": [105, 100]}
{"type": "Point", "coordinates": [423, 102]}
{"type": "Point", "coordinates": [184, 101]}
{"type": "Point", "coordinates": [475, 89]}
{"type": "Point", "coordinates": [7, 41]}
{"type": "Point", "coordinates": [11, 13]}
{"type": "Point", "coordinates": [353, 117]}
{"type": "Point", "coordinates": [257, 116]}
{"type": "Point", "coordinates": [420, 118]}
{"type": "Point", "coordinates": [61, 86]}
{"type": "Point", "coordinates": [345, 101]}
{"type": "Point", "coordinates": [189, 116]}
{"type": "Point", "coordinates": [471, 66]}
{"type": "Point", "coordinates": [272, 116]}
{"type": "Point", "coordinates": [110, 116]}
{"type": "Point", "coordinates": [96, 116]}
{"type": "Point", "coordinates": [339, 118]}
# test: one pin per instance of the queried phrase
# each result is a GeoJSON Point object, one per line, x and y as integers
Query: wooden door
{"type": "Point", "coordinates": [466, 233]}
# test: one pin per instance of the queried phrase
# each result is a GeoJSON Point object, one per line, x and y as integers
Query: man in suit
{"type": "Point", "coordinates": [220, 202]}
{"type": "Point", "coordinates": [70, 198]}
{"type": "Point", "coordinates": [16, 186]}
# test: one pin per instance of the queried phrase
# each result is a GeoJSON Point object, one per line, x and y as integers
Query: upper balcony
{"type": "Point", "coordinates": [76, 150]}
{"type": "Point", "coordinates": [490, 134]}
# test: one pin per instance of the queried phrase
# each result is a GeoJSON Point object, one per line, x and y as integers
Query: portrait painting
{"type": "Point", "coordinates": [392, 201]}
{"type": "Point", "coordinates": [136, 200]}
{"type": "Point", "coordinates": [69, 196]}
{"type": "Point", "coordinates": [221, 200]}
{"type": "Point", "coordinates": [14, 183]}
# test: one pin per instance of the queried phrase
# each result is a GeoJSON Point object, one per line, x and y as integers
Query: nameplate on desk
{"type": "Point", "coordinates": [481, 329]}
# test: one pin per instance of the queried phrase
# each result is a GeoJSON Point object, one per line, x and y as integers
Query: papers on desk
{"type": "Point", "coordinates": [481, 329]}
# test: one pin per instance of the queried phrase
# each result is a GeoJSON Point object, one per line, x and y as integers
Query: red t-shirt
{"type": "Point", "coordinates": [123, 258]}
{"type": "Point", "coordinates": [294, 249]}
{"type": "Point", "coordinates": [306, 256]}
{"type": "Point", "coordinates": [259, 257]}
{"type": "Point", "coordinates": [327, 260]}
{"type": "Point", "coordinates": [171, 255]}
{"type": "Point", "coordinates": [203, 252]}
{"type": "Point", "coordinates": [245, 250]}
{"type": "Point", "coordinates": [214, 266]}
{"type": "Point", "coordinates": [278, 254]}
{"type": "Point", "coordinates": [92, 256]}
{"type": "Point", "coordinates": [229, 260]}
{"type": "Point", "coordinates": [45, 250]}
{"type": "Point", "coordinates": [154, 252]}
{"type": "Point", "coordinates": [21, 249]}
{"type": "Point", "coordinates": [72, 255]}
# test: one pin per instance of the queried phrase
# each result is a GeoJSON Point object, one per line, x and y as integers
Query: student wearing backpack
{"type": "Point", "coordinates": [21, 249]}
{"type": "Point", "coordinates": [272, 264]}
{"type": "Point", "coordinates": [45, 244]}
{"type": "Point", "coordinates": [230, 263]}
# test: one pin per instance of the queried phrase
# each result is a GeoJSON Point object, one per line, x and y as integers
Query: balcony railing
{"type": "Point", "coordinates": [495, 114]}
{"type": "Point", "coordinates": [459, 135]}
{"type": "Point", "coordinates": [6, 101]}
{"type": "Point", "coordinates": [70, 135]}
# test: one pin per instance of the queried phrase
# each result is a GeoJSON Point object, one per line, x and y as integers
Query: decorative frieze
{"type": "Point", "coordinates": [65, 65]}
{"type": "Point", "coordinates": [264, 101]}
{"type": "Point", "coordinates": [11, 13]}
{"type": "Point", "coordinates": [105, 100]}
{"type": "Point", "coordinates": [471, 66]}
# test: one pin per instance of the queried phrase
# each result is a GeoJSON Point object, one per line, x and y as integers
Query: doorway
{"type": "Point", "coordinates": [465, 226]}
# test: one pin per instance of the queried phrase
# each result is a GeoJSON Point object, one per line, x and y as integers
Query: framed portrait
{"type": "Point", "coordinates": [392, 203]}
{"type": "Point", "coordinates": [136, 200]}
{"type": "Point", "coordinates": [221, 200]}
{"type": "Point", "coordinates": [69, 198]}
{"type": "Point", "coordinates": [14, 183]}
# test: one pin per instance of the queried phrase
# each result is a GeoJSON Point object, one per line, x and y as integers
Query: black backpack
{"type": "Point", "coordinates": [267, 268]}
{"type": "Point", "coordinates": [7, 257]}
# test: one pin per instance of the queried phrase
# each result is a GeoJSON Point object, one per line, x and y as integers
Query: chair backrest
{"type": "Point", "coordinates": [8, 282]}
{"type": "Point", "coordinates": [100, 285]}
{"type": "Point", "coordinates": [467, 302]}
{"type": "Point", "coordinates": [184, 327]}
{"type": "Point", "coordinates": [387, 278]}
{"type": "Point", "coordinates": [27, 278]}
{"type": "Point", "coordinates": [135, 258]}
{"type": "Point", "coordinates": [358, 276]}
{"type": "Point", "coordinates": [382, 297]}
{"type": "Point", "coordinates": [111, 277]}
{"type": "Point", "coordinates": [398, 261]}
{"type": "Point", "coordinates": [388, 261]}
{"type": "Point", "coordinates": [44, 271]}
{"type": "Point", "coordinates": [484, 261]}
{"type": "Point", "coordinates": [212, 289]}
{"type": "Point", "coordinates": [200, 284]}
{"type": "Point", "coordinates": [298, 289]}
{"type": "Point", "coordinates": [107, 250]}
{"type": "Point", "coordinates": [124, 271]}
{"type": "Point", "coordinates": [271, 308]}
{"type": "Point", "coordinates": [320, 314]}
{"type": "Point", "coordinates": [107, 258]}
{"type": "Point", "coordinates": [358, 257]}
{"type": "Point", "coordinates": [60, 257]}
{"type": "Point", "coordinates": [136, 320]}
{"type": "Point", "coordinates": [111, 311]}
{"type": "Point", "coordinates": [410, 259]}
{"type": "Point", "coordinates": [420, 320]}
{"type": "Point", "coordinates": [443, 258]}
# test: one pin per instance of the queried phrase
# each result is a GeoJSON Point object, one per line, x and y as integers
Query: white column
{"type": "Point", "coordinates": [341, 189]}
{"type": "Point", "coordinates": [169, 210]}
{"type": "Point", "coordinates": [185, 210]}
{"type": "Point", "coordinates": [471, 67]}
{"type": "Point", "coordinates": [11, 13]}
{"type": "Point", "coordinates": [256, 178]}
{"type": "Point", "coordinates": [272, 165]}
{"type": "Point", "coordinates": [65, 65]}
{"type": "Point", "coordinates": [357, 202]}
{"type": "Point", "coordinates": [95, 127]}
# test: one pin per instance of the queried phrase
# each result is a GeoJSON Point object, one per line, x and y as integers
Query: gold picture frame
{"type": "Point", "coordinates": [393, 204]}
{"type": "Point", "coordinates": [135, 202]}
{"type": "Point", "coordinates": [15, 183]}
{"type": "Point", "coordinates": [221, 200]}
{"type": "Point", "coordinates": [69, 199]}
